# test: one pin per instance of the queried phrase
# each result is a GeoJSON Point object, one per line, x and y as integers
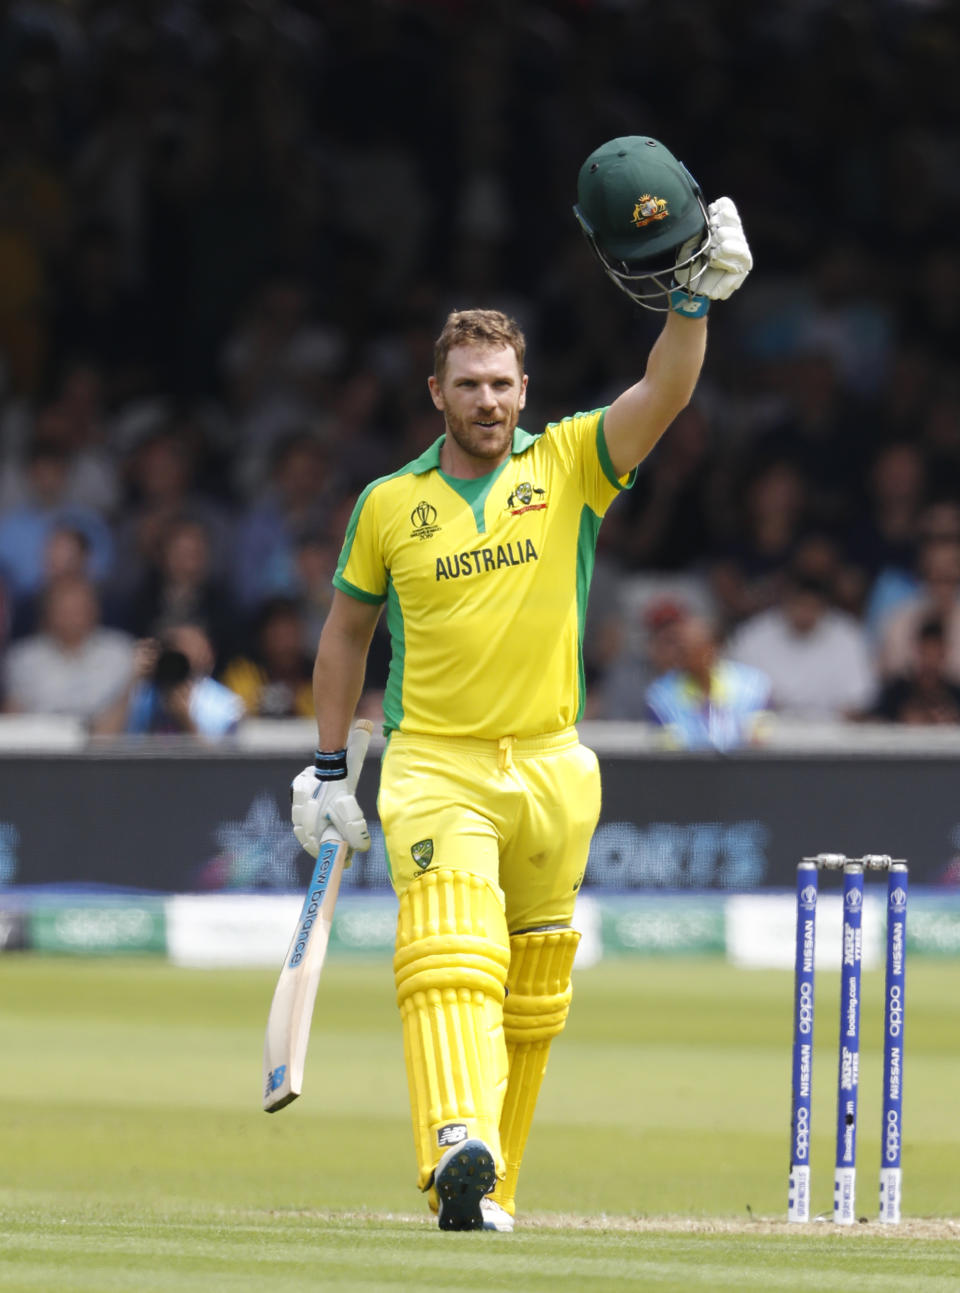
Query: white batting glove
{"type": "Point", "coordinates": [729, 259]}
{"type": "Point", "coordinates": [318, 803]}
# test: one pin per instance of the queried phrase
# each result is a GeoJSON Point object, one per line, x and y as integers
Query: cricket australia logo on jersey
{"type": "Point", "coordinates": [422, 853]}
{"type": "Point", "coordinates": [423, 519]}
{"type": "Point", "coordinates": [526, 498]}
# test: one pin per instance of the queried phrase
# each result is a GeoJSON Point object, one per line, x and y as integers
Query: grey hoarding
{"type": "Point", "coordinates": [675, 822]}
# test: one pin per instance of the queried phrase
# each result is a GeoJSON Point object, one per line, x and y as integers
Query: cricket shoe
{"type": "Point", "coordinates": [462, 1178]}
{"type": "Point", "coordinates": [495, 1217]}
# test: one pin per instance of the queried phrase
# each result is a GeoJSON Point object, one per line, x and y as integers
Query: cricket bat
{"type": "Point", "coordinates": [291, 1011]}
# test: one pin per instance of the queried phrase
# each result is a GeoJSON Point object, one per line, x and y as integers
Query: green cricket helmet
{"type": "Point", "coordinates": [638, 206]}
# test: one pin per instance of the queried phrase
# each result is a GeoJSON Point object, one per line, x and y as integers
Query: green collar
{"type": "Point", "coordinates": [429, 460]}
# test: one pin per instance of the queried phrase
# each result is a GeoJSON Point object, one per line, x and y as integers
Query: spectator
{"type": "Point", "coordinates": [182, 589]}
{"type": "Point", "coordinates": [276, 368]}
{"type": "Point", "coordinates": [602, 630]}
{"type": "Point", "coordinates": [939, 595]}
{"type": "Point", "coordinates": [667, 521]}
{"type": "Point", "coordinates": [171, 692]}
{"type": "Point", "coordinates": [316, 562]}
{"type": "Point", "coordinates": [24, 529]}
{"type": "Point", "coordinates": [882, 541]}
{"type": "Point", "coordinates": [748, 576]}
{"type": "Point", "coordinates": [66, 552]}
{"type": "Point", "coordinates": [708, 702]}
{"type": "Point", "coordinates": [896, 585]}
{"type": "Point", "coordinates": [71, 424]}
{"type": "Point", "coordinates": [820, 433]}
{"type": "Point", "coordinates": [74, 665]}
{"type": "Point", "coordinates": [925, 694]}
{"type": "Point", "coordinates": [821, 556]}
{"type": "Point", "coordinates": [189, 219]}
{"type": "Point", "coordinates": [297, 502]}
{"type": "Point", "coordinates": [883, 538]}
{"type": "Point", "coordinates": [161, 483]}
{"type": "Point", "coordinates": [646, 654]}
{"type": "Point", "coordinates": [815, 656]}
{"type": "Point", "coordinates": [6, 618]}
{"type": "Point", "coordinates": [275, 681]}
{"type": "Point", "coordinates": [941, 438]}
{"type": "Point", "coordinates": [316, 558]}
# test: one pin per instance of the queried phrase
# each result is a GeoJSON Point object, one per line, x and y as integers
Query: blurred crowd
{"type": "Point", "coordinates": [229, 232]}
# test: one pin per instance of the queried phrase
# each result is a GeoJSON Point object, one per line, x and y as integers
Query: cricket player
{"type": "Point", "coordinates": [481, 550]}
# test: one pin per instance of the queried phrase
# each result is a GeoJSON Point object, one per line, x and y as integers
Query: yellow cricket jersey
{"type": "Point", "coordinates": [485, 582]}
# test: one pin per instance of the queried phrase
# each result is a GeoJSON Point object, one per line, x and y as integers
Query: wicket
{"type": "Point", "coordinates": [848, 1076]}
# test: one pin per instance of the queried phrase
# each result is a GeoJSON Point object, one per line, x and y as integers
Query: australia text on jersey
{"type": "Point", "coordinates": [482, 560]}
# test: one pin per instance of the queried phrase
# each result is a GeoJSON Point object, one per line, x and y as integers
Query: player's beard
{"type": "Point", "coordinates": [490, 444]}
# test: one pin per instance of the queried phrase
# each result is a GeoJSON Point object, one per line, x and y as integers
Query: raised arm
{"type": "Point", "coordinates": [637, 419]}
{"type": "Point", "coordinates": [643, 214]}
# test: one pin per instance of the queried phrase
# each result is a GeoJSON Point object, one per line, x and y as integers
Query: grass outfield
{"type": "Point", "coordinates": [134, 1155]}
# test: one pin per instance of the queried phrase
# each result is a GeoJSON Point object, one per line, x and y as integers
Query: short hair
{"type": "Point", "coordinates": [41, 450]}
{"type": "Point", "coordinates": [276, 608]}
{"type": "Point", "coordinates": [931, 629]}
{"type": "Point", "coordinates": [801, 581]}
{"type": "Point", "coordinates": [79, 537]}
{"type": "Point", "coordinates": [477, 328]}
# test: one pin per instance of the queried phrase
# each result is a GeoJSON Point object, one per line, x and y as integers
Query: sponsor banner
{"type": "Point", "coordinates": [659, 854]}
{"type": "Point", "coordinates": [256, 929]}
{"type": "Point", "coordinates": [214, 930]}
{"type": "Point", "coordinates": [12, 930]}
{"type": "Point", "coordinates": [661, 925]}
{"type": "Point", "coordinates": [670, 822]}
{"type": "Point", "coordinates": [933, 928]}
{"type": "Point", "coordinates": [742, 821]}
{"type": "Point", "coordinates": [121, 928]}
{"type": "Point", "coordinates": [365, 924]}
{"type": "Point", "coordinates": [222, 930]}
{"type": "Point", "coordinates": [760, 930]}
{"type": "Point", "coordinates": [588, 919]}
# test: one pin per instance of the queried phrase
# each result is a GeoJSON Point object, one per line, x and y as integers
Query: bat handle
{"type": "Point", "coordinates": [357, 743]}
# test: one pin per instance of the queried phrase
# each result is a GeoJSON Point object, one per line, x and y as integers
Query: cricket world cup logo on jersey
{"type": "Point", "coordinates": [526, 498]}
{"type": "Point", "coordinates": [423, 519]}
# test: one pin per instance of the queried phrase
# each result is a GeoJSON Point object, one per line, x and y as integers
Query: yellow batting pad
{"type": "Point", "coordinates": [450, 968]}
{"type": "Point", "coordinates": [535, 1011]}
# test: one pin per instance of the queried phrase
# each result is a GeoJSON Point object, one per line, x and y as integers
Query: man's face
{"type": "Point", "coordinates": [698, 647]}
{"type": "Point", "coordinates": [931, 658]}
{"type": "Point", "coordinates": [940, 567]}
{"type": "Point", "coordinates": [481, 395]}
{"type": "Point", "coordinates": [71, 614]}
{"type": "Point", "coordinates": [804, 610]}
{"type": "Point", "coordinates": [281, 641]}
